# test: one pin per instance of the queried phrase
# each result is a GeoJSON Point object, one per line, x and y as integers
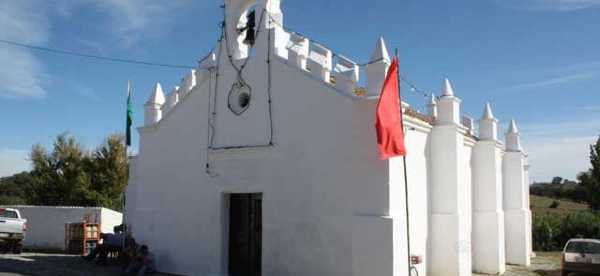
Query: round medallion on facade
{"type": "Point", "coordinates": [239, 98]}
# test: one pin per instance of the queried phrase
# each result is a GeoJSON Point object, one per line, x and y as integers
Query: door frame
{"type": "Point", "coordinates": [256, 243]}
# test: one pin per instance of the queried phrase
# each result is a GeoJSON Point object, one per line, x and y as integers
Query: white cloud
{"type": "Point", "coordinates": [559, 148]}
{"type": "Point", "coordinates": [552, 5]}
{"type": "Point", "coordinates": [129, 20]}
{"type": "Point", "coordinates": [21, 73]}
{"type": "Point", "coordinates": [552, 81]}
{"type": "Point", "coordinates": [565, 157]}
{"type": "Point", "coordinates": [13, 161]}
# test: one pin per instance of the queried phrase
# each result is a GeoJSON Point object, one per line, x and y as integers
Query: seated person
{"type": "Point", "coordinates": [129, 251]}
{"type": "Point", "coordinates": [142, 264]}
{"type": "Point", "coordinates": [110, 243]}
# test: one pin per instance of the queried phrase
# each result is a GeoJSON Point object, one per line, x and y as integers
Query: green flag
{"type": "Point", "coordinates": [129, 119]}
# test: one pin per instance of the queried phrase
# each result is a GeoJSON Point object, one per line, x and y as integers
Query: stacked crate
{"type": "Point", "coordinates": [81, 237]}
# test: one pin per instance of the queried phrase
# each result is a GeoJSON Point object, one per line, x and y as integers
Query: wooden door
{"type": "Point", "coordinates": [245, 234]}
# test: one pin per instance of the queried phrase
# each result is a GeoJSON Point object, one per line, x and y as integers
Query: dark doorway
{"type": "Point", "coordinates": [245, 234]}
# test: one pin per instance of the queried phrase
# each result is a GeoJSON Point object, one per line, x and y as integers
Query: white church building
{"type": "Point", "coordinates": [264, 162]}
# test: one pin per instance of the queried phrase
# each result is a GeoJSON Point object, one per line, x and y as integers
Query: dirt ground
{"type": "Point", "coordinates": [546, 264]}
{"type": "Point", "coordinates": [53, 264]}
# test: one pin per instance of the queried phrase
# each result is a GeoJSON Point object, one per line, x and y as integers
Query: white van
{"type": "Point", "coordinates": [581, 256]}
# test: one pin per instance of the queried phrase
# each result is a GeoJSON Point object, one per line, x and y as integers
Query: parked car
{"type": "Point", "coordinates": [581, 256]}
{"type": "Point", "coordinates": [12, 230]}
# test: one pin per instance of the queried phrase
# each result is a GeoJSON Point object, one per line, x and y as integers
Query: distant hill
{"type": "Point", "coordinates": [541, 206]}
{"type": "Point", "coordinates": [564, 189]}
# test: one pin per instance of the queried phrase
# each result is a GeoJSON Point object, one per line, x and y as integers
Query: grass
{"type": "Point", "coordinates": [541, 206]}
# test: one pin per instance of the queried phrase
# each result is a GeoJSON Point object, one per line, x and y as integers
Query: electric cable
{"type": "Point", "coordinates": [78, 54]}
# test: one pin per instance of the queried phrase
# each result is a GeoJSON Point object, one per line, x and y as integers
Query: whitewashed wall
{"type": "Point", "coordinates": [46, 224]}
{"type": "Point", "coordinates": [330, 206]}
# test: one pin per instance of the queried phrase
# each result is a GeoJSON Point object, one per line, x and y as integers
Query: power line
{"type": "Point", "coordinates": [78, 54]}
{"type": "Point", "coordinates": [413, 87]}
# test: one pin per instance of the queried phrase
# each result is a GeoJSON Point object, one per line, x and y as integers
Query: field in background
{"type": "Point", "coordinates": [540, 205]}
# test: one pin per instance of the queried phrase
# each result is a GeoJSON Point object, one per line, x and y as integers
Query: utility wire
{"type": "Point", "coordinates": [413, 87]}
{"type": "Point", "coordinates": [113, 59]}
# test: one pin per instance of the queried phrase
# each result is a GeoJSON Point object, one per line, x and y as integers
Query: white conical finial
{"type": "Point", "coordinates": [380, 53]}
{"type": "Point", "coordinates": [376, 69]}
{"type": "Point", "coordinates": [488, 125]}
{"type": "Point", "coordinates": [153, 107]}
{"type": "Point", "coordinates": [448, 105]}
{"type": "Point", "coordinates": [513, 141]}
{"type": "Point", "coordinates": [447, 90]}
{"type": "Point", "coordinates": [157, 96]}
{"type": "Point", "coordinates": [487, 112]}
{"type": "Point", "coordinates": [512, 127]}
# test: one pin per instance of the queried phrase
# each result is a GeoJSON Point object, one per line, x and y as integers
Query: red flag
{"type": "Point", "coordinates": [390, 135]}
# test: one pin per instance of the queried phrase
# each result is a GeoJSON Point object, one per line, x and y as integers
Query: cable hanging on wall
{"type": "Point", "coordinates": [239, 83]}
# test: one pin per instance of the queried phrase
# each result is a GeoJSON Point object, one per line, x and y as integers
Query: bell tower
{"type": "Point", "coordinates": [239, 13]}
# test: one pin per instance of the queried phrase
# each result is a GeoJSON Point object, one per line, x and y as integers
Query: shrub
{"type": "Point", "coordinates": [550, 233]}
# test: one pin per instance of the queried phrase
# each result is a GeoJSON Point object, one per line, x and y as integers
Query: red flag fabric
{"type": "Point", "coordinates": [390, 135]}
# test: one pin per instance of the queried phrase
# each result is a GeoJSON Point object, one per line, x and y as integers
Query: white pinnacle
{"type": "Point", "coordinates": [174, 96]}
{"type": "Point", "coordinates": [447, 88]}
{"type": "Point", "coordinates": [380, 53]}
{"type": "Point", "coordinates": [432, 100]}
{"type": "Point", "coordinates": [157, 97]}
{"type": "Point", "coordinates": [512, 127]}
{"type": "Point", "coordinates": [189, 81]}
{"type": "Point", "coordinates": [175, 89]}
{"type": "Point", "coordinates": [487, 112]}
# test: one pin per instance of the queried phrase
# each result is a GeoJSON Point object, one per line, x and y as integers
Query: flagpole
{"type": "Point", "coordinates": [127, 136]}
{"type": "Point", "coordinates": [405, 171]}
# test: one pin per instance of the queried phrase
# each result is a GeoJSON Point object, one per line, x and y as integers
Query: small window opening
{"type": "Point", "coordinates": [244, 100]}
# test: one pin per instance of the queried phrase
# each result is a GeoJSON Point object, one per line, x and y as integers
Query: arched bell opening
{"type": "Point", "coordinates": [242, 26]}
{"type": "Point", "coordinates": [248, 25]}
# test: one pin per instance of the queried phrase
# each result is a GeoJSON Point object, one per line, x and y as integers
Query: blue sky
{"type": "Point", "coordinates": [537, 61]}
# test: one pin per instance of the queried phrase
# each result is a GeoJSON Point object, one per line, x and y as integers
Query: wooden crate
{"type": "Point", "coordinates": [81, 237]}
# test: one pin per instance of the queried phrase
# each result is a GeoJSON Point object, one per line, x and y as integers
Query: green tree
{"type": "Point", "coordinates": [591, 179]}
{"type": "Point", "coordinates": [109, 172]}
{"type": "Point", "coordinates": [557, 180]}
{"type": "Point", "coordinates": [71, 175]}
{"type": "Point", "coordinates": [12, 189]}
{"type": "Point", "coordinates": [59, 177]}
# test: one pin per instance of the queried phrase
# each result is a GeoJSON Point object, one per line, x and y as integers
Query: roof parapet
{"type": "Point", "coordinates": [187, 84]}
{"type": "Point", "coordinates": [346, 74]}
{"type": "Point", "coordinates": [320, 61]}
{"type": "Point", "coordinates": [298, 50]}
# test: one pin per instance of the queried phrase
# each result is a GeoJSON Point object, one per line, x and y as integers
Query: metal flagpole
{"type": "Point", "coordinates": [405, 171]}
{"type": "Point", "coordinates": [124, 195]}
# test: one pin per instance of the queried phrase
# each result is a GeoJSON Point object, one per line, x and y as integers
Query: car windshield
{"type": "Point", "coordinates": [583, 247]}
{"type": "Point", "coordinates": [7, 214]}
